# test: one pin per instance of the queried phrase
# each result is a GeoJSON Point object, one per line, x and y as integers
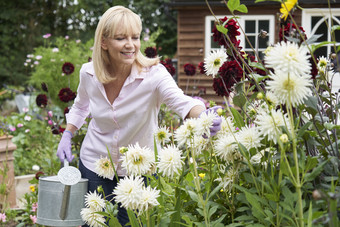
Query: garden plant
{"type": "Point", "coordinates": [275, 161]}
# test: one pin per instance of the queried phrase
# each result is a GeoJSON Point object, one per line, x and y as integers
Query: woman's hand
{"type": "Point", "coordinates": [64, 147]}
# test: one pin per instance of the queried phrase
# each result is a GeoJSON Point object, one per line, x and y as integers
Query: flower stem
{"type": "Point", "coordinates": [198, 187]}
{"type": "Point", "coordinates": [147, 218]}
{"type": "Point", "coordinates": [298, 183]}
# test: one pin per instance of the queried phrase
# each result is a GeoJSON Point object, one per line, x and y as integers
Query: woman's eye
{"type": "Point", "coordinates": [136, 37]}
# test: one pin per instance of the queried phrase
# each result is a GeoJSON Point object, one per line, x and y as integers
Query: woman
{"type": "Point", "coordinates": [123, 91]}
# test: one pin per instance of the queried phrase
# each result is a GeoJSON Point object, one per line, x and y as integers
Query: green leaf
{"type": "Point", "coordinates": [221, 29]}
{"type": "Point", "coordinates": [166, 187]}
{"type": "Point", "coordinates": [310, 215]}
{"type": "Point", "coordinates": [114, 222]}
{"type": "Point", "coordinates": [284, 168]}
{"type": "Point", "coordinates": [254, 202]}
{"type": "Point", "coordinates": [313, 38]}
{"type": "Point", "coordinates": [257, 65]}
{"type": "Point", "coordinates": [193, 196]}
{"type": "Point", "coordinates": [233, 5]}
{"type": "Point", "coordinates": [271, 197]}
{"type": "Point", "coordinates": [335, 27]}
{"type": "Point", "coordinates": [212, 210]}
{"type": "Point", "coordinates": [241, 209]}
{"type": "Point", "coordinates": [239, 100]}
{"type": "Point", "coordinates": [287, 206]}
{"type": "Point", "coordinates": [248, 177]}
{"type": "Point", "coordinates": [132, 218]}
{"type": "Point", "coordinates": [316, 171]}
{"type": "Point", "coordinates": [200, 211]}
{"type": "Point", "coordinates": [312, 102]}
{"type": "Point", "coordinates": [238, 120]}
{"type": "Point", "coordinates": [189, 178]}
{"type": "Point", "coordinates": [257, 77]}
{"type": "Point", "coordinates": [303, 129]}
{"type": "Point", "coordinates": [269, 214]}
{"type": "Point", "coordinates": [218, 223]}
{"type": "Point", "coordinates": [244, 218]}
{"type": "Point", "coordinates": [322, 44]}
{"type": "Point", "coordinates": [311, 163]}
{"type": "Point", "coordinates": [217, 189]}
{"type": "Point", "coordinates": [289, 196]}
{"type": "Point", "coordinates": [242, 8]}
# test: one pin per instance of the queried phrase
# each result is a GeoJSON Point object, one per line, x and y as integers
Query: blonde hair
{"type": "Point", "coordinates": [114, 17]}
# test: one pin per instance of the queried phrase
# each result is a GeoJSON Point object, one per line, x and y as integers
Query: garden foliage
{"type": "Point", "coordinates": [275, 161]}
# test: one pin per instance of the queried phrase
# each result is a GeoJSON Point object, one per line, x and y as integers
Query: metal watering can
{"type": "Point", "coordinates": [61, 198]}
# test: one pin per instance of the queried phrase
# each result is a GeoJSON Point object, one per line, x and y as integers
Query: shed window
{"type": "Point", "coordinates": [252, 26]}
{"type": "Point", "coordinates": [318, 22]}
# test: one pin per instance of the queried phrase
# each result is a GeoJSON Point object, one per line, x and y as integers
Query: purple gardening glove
{"type": "Point", "coordinates": [64, 147]}
{"type": "Point", "coordinates": [216, 122]}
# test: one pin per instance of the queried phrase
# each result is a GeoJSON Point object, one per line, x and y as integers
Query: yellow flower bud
{"type": "Point", "coordinates": [219, 111]}
{"type": "Point", "coordinates": [284, 138]}
{"type": "Point", "coordinates": [202, 175]}
{"type": "Point", "coordinates": [122, 150]}
{"type": "Point", "coordinates": [259, 95]}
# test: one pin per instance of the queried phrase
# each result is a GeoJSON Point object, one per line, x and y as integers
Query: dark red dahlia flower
{"type": "Point", "coordinates": [57, 129]}
{"type": "Point", "coordinates": [229, 74]}
{"type": "Point", "coordinates": [168, 65]}
{"type": "Point", "coordinates": [66, 95]}
{"type": "Point", "coordinates": [68, 68]}
{"type": "Point", "coordinates": [314, 71]}
{"type": "Point", "coordinates": [41, 100]}
{"type": "Point", "coordinates": [290, 30]}
{"type": "Point", "coordinates": [232, 27]}
{"type": "Point", "coordinates": [168, 61]}
{"type": "Point", "coordinates": [201, 67]}
{"type": "Point", "coordinates": [44, 87]}
{"type": "Point", "coordinates": [66, 110]}
{"type": "Point", "coordinates": [150, 52]}
{"type": "Point", "coordinates": [189, 69]}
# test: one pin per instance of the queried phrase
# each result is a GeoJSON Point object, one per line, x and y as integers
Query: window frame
{"type": "Point", "coordinates": [306, 21]}
{"type": "Point", "coordinates": [241, 21]}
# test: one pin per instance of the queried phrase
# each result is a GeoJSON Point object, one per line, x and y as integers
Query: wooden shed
{"type": "Point", "coordinates": [195, 21]}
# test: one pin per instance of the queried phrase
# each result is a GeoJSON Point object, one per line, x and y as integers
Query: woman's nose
{"type": "Point", "coordinates": [129, 42]}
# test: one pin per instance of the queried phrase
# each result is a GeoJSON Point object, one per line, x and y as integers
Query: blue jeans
{"type": "Point", "coordinates": [107, 185]}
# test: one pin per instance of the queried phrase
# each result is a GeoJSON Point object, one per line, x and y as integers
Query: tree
{"type": "Point", "coordinates": [156, 14]}
{"type": "Point", "coordinates": [24, 22]}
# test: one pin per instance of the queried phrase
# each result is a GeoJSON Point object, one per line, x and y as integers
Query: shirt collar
{"type": "Point", "coordinates": [135, 74]}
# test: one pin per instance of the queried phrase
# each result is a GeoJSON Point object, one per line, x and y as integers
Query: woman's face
{"type": "Point", "coordinates": [122, 48]}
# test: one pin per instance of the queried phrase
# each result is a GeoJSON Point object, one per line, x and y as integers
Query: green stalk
{"type": "Point", "coordinates": [148, 218]}
{"type": "Point", "coordinates": [298, 183]}
{"type": "Point", "coordinates": [243, 152]}
{"type": "Point", "coordinates": [198, 186]}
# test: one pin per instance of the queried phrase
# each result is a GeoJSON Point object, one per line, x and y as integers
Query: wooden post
{"type": "Point", "coordinates": [6, 158]}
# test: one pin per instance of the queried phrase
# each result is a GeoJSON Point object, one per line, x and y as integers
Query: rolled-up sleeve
{"type": "Point", "coordinates": [80, 108]}
{"type": "Point", "coordinates": [173, 96]}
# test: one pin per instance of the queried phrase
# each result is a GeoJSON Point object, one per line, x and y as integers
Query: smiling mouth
{"type": "Point", "coordinates": [128, 54]}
